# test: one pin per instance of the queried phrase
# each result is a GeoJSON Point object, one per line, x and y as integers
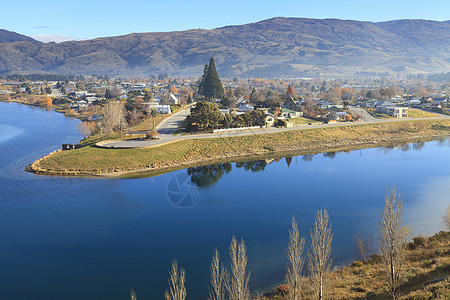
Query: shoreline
{"type": "Point", "coordinates": [190, 153]}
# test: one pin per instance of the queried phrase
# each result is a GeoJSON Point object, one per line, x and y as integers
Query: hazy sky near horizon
{"type": "Point", "coordinates": [48, 20]}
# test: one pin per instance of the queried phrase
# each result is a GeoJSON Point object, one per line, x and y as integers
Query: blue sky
{"type": "Point", "coordinates": [82, 19]}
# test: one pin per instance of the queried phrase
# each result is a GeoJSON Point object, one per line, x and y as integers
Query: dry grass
{"type": "Point", "coordinates": [147, 124]}
{"type": "Point", "coordinates": [417, 113]}
{"type": "Point", "coordinates": [92, 160]}
{"type": "Point", "coordinates": [424, 263]}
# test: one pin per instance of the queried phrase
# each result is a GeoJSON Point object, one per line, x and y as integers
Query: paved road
{"type": "Point", "coordinates": [169, 126]}
{"type": "Point", "coordinates": [365, 116]}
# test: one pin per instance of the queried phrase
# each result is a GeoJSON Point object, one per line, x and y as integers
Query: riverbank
{"type": "Point", "coordinates": [427, 267]}
{"type": "Point", "coordinates": [93, 161]}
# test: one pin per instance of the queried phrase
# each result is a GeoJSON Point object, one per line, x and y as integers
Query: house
{"type": "Point", "coordinates": [384, 103]}
{"type": "Point", "coordinates": [334, 108]}
{"type": "Point", "coordinates": [288, 114]}
{"type": "Point", "coordinates": [161, 109]}
{"type": "Point", "coordinates": [324, 103]}
{"type": "Point", "coordinates": [397, 112]}
{"type": "Point", "coordinates": [270, 120]}
{"type": "Point", "coordinates": [413, 102]}
{"type": "Point", "coordinates": [246, 108]}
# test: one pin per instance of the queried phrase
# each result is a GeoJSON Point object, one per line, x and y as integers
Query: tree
{"type": "Point", "coordinates": [238, 286]}
{"type": "Point", "coordinates": [446, 218]}
{"type": "Point", "coordinates": [86, 128]}
{"type": "Point", "coordinates": [153, 113]}
{"type": "Point", "coordinates": [210, 85]}
{"type": "Point", "coordinates": [218, 279]}
{"type": "Point", "coordinates": [392, 240]}
{"type": "Point", "coordinates": [204, 115]}
{"type": "Point", "coordinates": [294, 254]}
{"type": "Point", "coordinates": [47, 102]}
{"type": "Point", "coordinates": [113, 116]}
{"type": "Point", "coordinates": [319, 261]}
{"type": "Point", "coordinates": [177, 278]}
{"type": "Point", "coordinates": [363, 247]}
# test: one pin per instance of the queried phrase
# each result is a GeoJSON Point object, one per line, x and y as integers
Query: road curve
{"type": "Point", "coordinates": [168, 127]}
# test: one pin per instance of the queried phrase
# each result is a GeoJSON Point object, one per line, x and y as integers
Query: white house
{"type": "Point", "coordinates": [161, 109]}
{"type": "Point", "coordinates": [397, 112]}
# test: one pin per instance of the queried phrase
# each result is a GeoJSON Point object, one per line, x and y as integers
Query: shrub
{"type": "Point", "coordinates": [151, 135]}
{"type": "Point", "coordinates": [419, 241]}
{"type": "Point", "coordinates": [280, 123]}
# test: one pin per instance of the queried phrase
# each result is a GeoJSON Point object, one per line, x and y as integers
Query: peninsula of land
{"type": "Point", "coordinates": [183, 153]}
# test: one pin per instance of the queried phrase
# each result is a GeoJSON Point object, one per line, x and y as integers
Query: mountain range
{"type": "Point", "coordinates": [277, 47]}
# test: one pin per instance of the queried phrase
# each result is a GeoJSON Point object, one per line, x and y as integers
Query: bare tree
{"type": "Point", "coordinates": [133, 294]}
{"type": "Point", "coordinates": [393, 237]}
{"type": "Point", "coordinates": [238, 285]}
{"type": "Point", "coordinates": [446, 218]}
{"type": "Point", "coordinates": [319, 261]}
{"type": "Point", "coordinates": [113, 116]}
{"type": "Point", "coordinates": [177, 289]}
{"type": "Point", "coordinates": [86, 128]}
{"type": "Point", "coordinates": [219, 278]}
{"type": "Point", "coordinates": [294, 254]}
{"type": "Point", "coordinates": [363, 246]}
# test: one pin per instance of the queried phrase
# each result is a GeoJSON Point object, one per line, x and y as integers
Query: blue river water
{"type": "Point", "coordinates": [85, 238]}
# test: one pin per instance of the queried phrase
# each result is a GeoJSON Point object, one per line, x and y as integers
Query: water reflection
{"type": "Point", "coordinates": [254, 166]}
{"type": "Point", "coordinates": [405, 147]}
{"type": "Point", "coordinates": [206, 176]}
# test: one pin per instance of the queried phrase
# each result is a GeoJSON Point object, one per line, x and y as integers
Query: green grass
{"type": "Point", "coordinates": [302, 121]}
{"type": "Point", "coordinates": [375, 114]}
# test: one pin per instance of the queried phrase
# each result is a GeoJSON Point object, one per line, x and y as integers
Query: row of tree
{"type": "Point", "coordinates": [232, 283]}
{"type": "Point", "coordinates": [206, 116]}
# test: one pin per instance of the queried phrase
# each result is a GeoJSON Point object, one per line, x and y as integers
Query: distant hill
{"type": "Point", "coordinates": [11, 37]}
{"type": "Point", "coordinates": [283, 47]}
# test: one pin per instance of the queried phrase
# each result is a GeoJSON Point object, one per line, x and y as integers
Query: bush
{"type": "Point", "coordinates": [280, 123]}
{"type": "Point", "coordinates": [419, 241]}
{"type": "Point", "coordinates": [151, 135]}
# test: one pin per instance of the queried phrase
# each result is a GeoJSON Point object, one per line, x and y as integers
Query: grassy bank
{"type": "Point", "coordinates": [184, 153]}
{"type": "Point", "coordinates": [426, 265]}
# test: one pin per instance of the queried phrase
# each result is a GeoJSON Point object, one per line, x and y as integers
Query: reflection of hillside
{"type": "Point", "coordinates": [205, 176]}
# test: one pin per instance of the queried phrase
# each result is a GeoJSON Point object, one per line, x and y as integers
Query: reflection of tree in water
{"type": "Point", "coordinates": [330, 154]}
{"type": "Point", "coordinates": [307, 157]}
{"type": "Point", "coordinates": [404, 147]}
{"type": "Point", "coordinates": [418, 146]}
{"type": "Point", "coordinates": [205, 176]}
{"type": "Point", "coordinates": [254, 166]}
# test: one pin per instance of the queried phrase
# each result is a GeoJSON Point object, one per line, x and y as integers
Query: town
{"type": "Point", "coordinates": [283, 102]}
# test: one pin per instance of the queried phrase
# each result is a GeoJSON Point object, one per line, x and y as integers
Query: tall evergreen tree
{"type": "Point", "coordinates": [201, 85]}
{"type": "Point", "coordinates": [210, 85]}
